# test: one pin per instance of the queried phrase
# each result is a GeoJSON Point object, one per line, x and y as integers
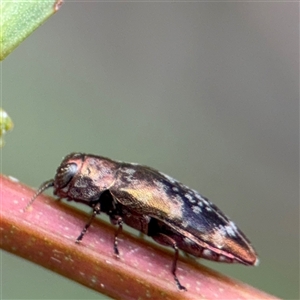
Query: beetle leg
{"type": "Point", "coordinates": [119, 222]}
{"type": "Point", "coordinates": [168, 241]}
{"type": "Point", "coordinates": [96, 211]}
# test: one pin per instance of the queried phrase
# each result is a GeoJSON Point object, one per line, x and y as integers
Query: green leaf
{"type": "Point", "coordinates": [19, 18]}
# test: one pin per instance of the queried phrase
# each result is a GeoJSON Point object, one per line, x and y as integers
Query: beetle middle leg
{"type": "Point", "coordinates": [116, 220]}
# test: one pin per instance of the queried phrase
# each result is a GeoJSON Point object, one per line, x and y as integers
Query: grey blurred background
{"type": "Point", "coordinates": [205, 92]}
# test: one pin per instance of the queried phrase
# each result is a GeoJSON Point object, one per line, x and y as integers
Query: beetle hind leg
{"type": "Point", "coordinates": [167, 241]}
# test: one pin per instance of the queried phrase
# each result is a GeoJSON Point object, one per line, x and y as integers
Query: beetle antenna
{"type": "Point", "coordinates": [41, 189]}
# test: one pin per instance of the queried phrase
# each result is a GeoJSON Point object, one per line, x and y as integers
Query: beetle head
{"type": "Point", "coordinates": [64, 174]}
{"type": "Point", "coordinates": [68, 168]}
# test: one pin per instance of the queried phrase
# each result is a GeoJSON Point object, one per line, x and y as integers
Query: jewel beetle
{"type": "Point", "coordinates": [153, 203]}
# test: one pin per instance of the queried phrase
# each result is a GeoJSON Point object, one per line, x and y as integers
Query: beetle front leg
{"type": "Point", "coordinates": [96, 211]}
{"type": "Point", "coordinates": [168, 241]}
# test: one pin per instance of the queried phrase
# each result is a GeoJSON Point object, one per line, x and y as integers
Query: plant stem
{"type": "Point", "coordinates": [46, 232]}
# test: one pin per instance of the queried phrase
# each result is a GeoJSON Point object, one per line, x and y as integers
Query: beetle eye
{"type": "Point", "coordinates": [64, 175]}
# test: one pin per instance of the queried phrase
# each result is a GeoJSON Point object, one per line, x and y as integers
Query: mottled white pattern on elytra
{"type": "Point", "coordinates": [161, 186]}
{"type": "Point", "coordinates": [219, 227]}
{"type": "Point", "coordinates": [128, 174]}
{"type": "Point", "coordinates": [207, 203]}
{"type": "Point", "coordinates": [196, 209]}
{"type": "Point", "coordinates": [190, 197]}
{"type": "Point", "coordinates": [233, 225]}
{"type": "Point", "coordinates": [178, 200]}
{"type": "Point", "coordinates": [228, 230]}
{"type": "Point", "coordinates": [129, 171]}
{"type": "Point", "coordinates": [199, 202]}
{"type": "Point", "coordinates": [199, 197]}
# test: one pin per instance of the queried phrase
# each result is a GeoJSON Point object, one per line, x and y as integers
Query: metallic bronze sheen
{"type": "Point", "coordinates": [155, 204]}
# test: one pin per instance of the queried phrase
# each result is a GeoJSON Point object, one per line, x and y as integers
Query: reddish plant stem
{"type": "Point", "coordinates": [45, 234]}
